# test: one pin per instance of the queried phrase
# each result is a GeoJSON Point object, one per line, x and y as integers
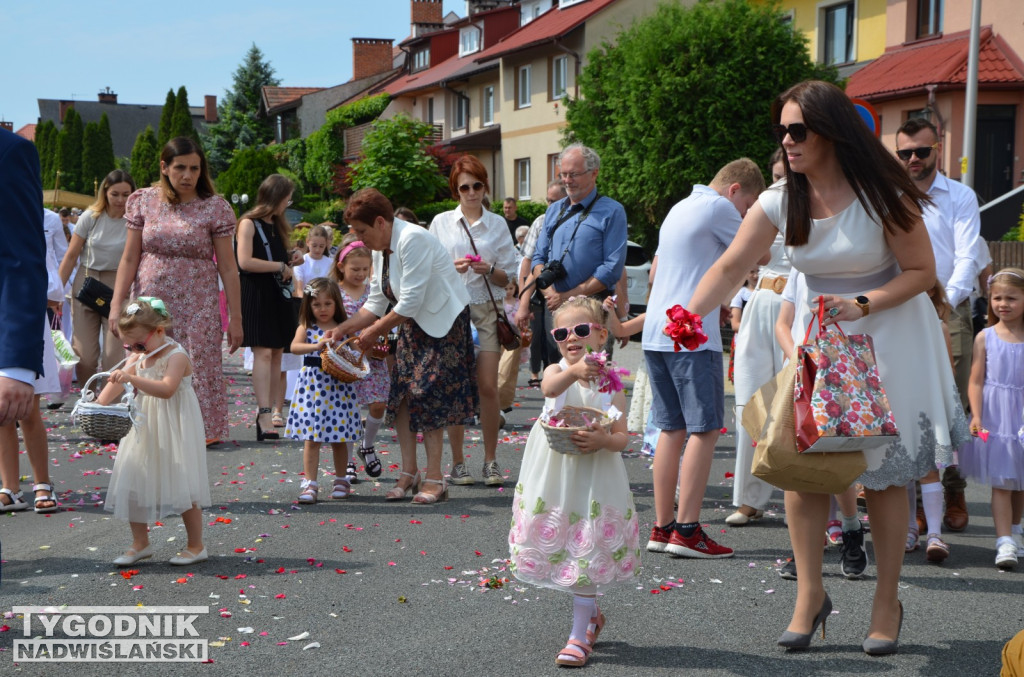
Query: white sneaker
{"type": "Point", "coordinates": [1006, 555]}
{"type": "Point", "coordinates": [1019, 540]}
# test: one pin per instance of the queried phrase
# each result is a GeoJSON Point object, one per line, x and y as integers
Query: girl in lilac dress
{"type": "Point", "coordinates": [352, 273]}
{"type": "Point", "coordinates": [174, 230]}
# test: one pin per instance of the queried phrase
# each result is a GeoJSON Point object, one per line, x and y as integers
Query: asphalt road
{"type": "Point", "coordinates": [397, 589]}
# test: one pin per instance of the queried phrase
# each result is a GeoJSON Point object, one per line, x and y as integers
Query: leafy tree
{"type": "Point", "coordinates": [181, 121]}
{"type": "Point", "coordinates": [248, 169]}
{"type": "Point", "coordinates": [395, 161]}
{"type": "Point", "coordinates": [239, 123]}
{"type": "Point", "coordinates": [46, 144]}
{"type": "Point", "coordinates": [166, 120]}
{"type": "Point", "coordinates": [325, 147]}
{"type": "Point", "coordinates": [97, 153]}
{"type": "Point", "coordinates": [681, 93]}
{"type": "Point", "coordinates": [145, 165]}
{"type": "Point", "coordinates": [69, 151]}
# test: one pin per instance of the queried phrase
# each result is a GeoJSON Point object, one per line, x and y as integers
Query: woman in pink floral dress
{"type": "Point", "coordinates": [174, 230]}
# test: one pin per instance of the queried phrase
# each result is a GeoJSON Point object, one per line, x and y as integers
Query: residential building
{"type": "Point", "coordinates": [127, 120]}
{"type": "Point", "coordinates": [845, 33]}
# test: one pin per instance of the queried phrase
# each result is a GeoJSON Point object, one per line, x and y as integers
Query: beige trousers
{"type": "Point", "coordinates": [87, 325]}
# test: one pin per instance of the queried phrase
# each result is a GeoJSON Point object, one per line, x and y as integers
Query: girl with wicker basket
{"type": "Point", "coordinates": [574, 526]}
{"type": "Point", "coordinates": [352, 273]}
{"type": "Point", "coordinates": [324, 408]}
{"type": "Point", "coordinates": [161, 463]}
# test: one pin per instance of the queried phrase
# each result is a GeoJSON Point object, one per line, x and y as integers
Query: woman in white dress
{"type": "Point", "coordinates": [873, 274]}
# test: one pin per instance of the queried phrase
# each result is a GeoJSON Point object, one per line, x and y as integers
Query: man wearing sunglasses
{"type": "Point", "coordinates": [954, 226]}
{"type": "Point", "coordinates": [585, 232]}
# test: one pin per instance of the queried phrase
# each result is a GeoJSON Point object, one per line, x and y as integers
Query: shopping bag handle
{"type": "Point", "coordinates": [820, 317]}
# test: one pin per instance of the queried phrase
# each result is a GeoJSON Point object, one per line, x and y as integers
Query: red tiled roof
{"type": "Point", "coordinates": [908, 69]}
{"type": "Point", "coordinates": [27, 132]}
{"type": "Point", "coordinates": [549, 26]}
{"type": "Point", "coordinates": [275, 97]}
{"type": "Point", "coordinates": [431, 77]}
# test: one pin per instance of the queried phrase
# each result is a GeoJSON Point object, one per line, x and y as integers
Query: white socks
{"type": "Point", "coordinates": [583, 609]}
{"type": "Point", "coordinates": [931, 499]}
{"type": "Point", "coordinates": [370, 430]}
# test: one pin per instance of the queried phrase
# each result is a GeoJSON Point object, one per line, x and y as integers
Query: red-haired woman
{"type": "Point", "coordinates": [490, 264]}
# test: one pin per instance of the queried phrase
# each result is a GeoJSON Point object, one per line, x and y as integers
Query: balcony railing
{"type": "Point", "coordinates": [354, 137]}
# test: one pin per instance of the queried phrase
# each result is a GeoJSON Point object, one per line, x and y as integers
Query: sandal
{"type": "Point", "coordinates": [308, 493]}
{"type": "Point", "coordinates": [912, 535]}
{"type": "Point", "coordinates": [17, 501]}
{"type": "Point", "coordinates": [575, 654]}
{"type": "Point", "coordinates": [425, 498]}
{"type": "Point", "coordinates": [834, 532]}
{"type": "Point", "coordinates": [398, 492]}
{"type": "Point", "coordinates": [342, 488]}
{"type": "Point", "coordinates": [350, 473]}
{"type": "Point", "coordinates": [372, 466]}
{"type": "Point", "coordinates": [533, 383]}
{"type": "Point", "coordinates": [595, 627]}
{"type": "Point", "coordinates": [48, 497]}
{"type": "Point", "coordinates": [276, 418]}
{"type": "Point", "coordinates": [937, 549]}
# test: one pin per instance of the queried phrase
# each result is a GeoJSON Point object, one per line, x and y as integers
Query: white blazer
{"type": "Point", "coordinates": [423, 280]}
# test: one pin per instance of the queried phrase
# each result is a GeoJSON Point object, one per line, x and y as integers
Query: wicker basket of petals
{"type": "Point", "coordinates": [343, 362]}
{"type": "Point", "coordinates": [381, 350]}
{"type": "Point", "coordinates": [104, 421]}
{"type": "Point", "coordinates": [564, 423]}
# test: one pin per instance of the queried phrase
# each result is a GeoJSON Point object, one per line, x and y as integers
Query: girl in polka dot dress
{"type": "Point", "coordinates": [323, 408]}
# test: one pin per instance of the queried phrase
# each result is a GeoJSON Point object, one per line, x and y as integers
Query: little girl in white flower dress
{"type": "Point", "coordinates": [574, 526]}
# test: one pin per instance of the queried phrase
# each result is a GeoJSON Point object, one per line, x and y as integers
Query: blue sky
{"type": "Point", "coordinates": [69, 49]}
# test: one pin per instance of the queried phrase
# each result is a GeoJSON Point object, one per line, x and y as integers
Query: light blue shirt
{"type": "Point", "coordinates": [599, 248]}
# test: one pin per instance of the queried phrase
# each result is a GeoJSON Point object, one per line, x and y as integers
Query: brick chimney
{"type": "Point", "coordinates": [108, 96]}
{"type": "Point", "coordinates": [427, 16]}
{"type": "Point", "coordinates": [370, 56]}
{"type": "Point", "coordinates": [64, 106]}
{"type": "Point", "coordinates": [210, 108]}
{"type": "Point", "coordinates": [9, 126]}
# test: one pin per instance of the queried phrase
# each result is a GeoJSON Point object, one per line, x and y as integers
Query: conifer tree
{"type": "Point", "coordinates": [145, 158]}
{"type": "Point", "coordinates": [181, 122]}
{"type": "Point", "coordinates": [46, 144]}
{"type": "Point", "coordinates": [69, 151]}
{"type": "Point", "coordinates": [163, 134]}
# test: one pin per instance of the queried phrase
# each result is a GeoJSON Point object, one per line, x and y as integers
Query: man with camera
{"type": "Point", "coordinates": [581, 249]}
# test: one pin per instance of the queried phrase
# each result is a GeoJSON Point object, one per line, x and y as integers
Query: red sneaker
{"type": "Point", "coordinates": [698, 545]}
{"type": "Point", "coordinates": [659, 538]}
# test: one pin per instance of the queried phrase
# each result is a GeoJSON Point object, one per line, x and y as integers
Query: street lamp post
{"type": "Point", "coordinates": [240, 200]}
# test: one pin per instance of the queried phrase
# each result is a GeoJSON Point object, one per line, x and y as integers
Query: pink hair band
{"type": "Point", "coordinates": [349, 247]}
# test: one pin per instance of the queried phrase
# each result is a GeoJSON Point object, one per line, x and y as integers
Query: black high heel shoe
{"type": "Point", "coordinates": [799, 641]}
{"type": "Point", "coordinates": [884, 647]}
{"type": "Point", "coordinates": [260, 435]}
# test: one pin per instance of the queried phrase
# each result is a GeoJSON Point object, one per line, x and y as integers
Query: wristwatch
{"type": "Point", "coordinates": [864, 303]}
{"type": "Point", "coordinates": [491, 271]}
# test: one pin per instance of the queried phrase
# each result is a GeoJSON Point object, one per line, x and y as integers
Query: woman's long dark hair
{"type": "Point", "coordinates": [274, 190]}
{"type": "Point", "coordinates": [176, 147]}
{"type": "Point", "coordinates": [879, 180]}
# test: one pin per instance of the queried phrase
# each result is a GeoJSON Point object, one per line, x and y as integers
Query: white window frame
{"type": "Point", "coordinates": [523, 179]}
{"type": "Point", "coordinates": [823, 8]}
{"type": "Point", "coordinates": [421, 59]}
{"type": "Point", "coordinates": [469, 39]}
{"type": "Point", "coordinates": [487, 107]}
{"type": "Point", "coordinates": [523, 98]}
{"type": "Point", "coordinates": [562, 4]}
{"type": "Point", "coordinates": [559, 71]}
{"type": "Point", "coordinates": [460, 117]}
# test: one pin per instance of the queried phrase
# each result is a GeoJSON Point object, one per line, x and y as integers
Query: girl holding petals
{"type": "Point", "coordinates": [574, 527]}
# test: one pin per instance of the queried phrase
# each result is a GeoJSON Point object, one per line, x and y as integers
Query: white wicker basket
{"type": "Point", "coordinates": [560, 437]}
{"type": "Point", "coordinates": [104, 421]}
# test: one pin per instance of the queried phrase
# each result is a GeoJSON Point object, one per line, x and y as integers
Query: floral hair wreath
{"type": "Point", "coordinates": [310, 290]}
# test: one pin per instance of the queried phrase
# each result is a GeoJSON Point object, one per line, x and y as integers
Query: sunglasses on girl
{"type": "Point", "coordinates": [139, 347]}
{"type": "Point", "coordinates": [922, 153]}
{"type": "Point", "coordinates": [797, 131]}
{"type": "Point", "coordinates": [561, 334]}
{"type": "Point", "coordinates": [477, 187]}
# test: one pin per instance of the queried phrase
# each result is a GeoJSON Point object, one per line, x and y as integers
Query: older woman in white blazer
{"type": "Point", "coordinates": [431, 387]}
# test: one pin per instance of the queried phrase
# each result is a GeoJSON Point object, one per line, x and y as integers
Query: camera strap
{"type": "Point", "coordinates": [583, 215]}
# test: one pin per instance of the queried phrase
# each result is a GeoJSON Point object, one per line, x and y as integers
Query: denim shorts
{"type": "Point", "coordinates": [688, 388]}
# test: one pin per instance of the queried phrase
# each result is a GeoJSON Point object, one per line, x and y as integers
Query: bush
{"type": "Point", "coordinates": [427, 212]}
{"type": "Point", "coordinates": [248, 169]}
{"type": "Point", "coordinates": [531, 210]}
{"type": "Point", "coordinates": [396, 163]}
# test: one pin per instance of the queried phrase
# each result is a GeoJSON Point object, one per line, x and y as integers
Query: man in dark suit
{"type": "Point", "coordinates": [22, 276]}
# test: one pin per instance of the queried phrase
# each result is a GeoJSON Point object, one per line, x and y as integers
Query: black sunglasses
{"type": "Point", "coordinates": [477, 187]}
{"type": "Point", "coordinates": [561, 334]}
{"type": "Point", "coordinates": [797, 131]}
{"type": "Point", "coordinates": [922, 153]}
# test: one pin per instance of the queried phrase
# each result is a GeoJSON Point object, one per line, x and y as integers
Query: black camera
{"type": "Point", "coordinates": [553, 272]}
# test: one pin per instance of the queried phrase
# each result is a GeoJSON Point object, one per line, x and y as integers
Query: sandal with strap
{"type": "Point", "coordinates": [342, 488]}
{"type": "Point", "coordinates": [398, 492]}
{"type": "Point", "coordinates": [370, 461]}
{"type": "Point", "coordinates": [912, 535]}
{"type": "Point", "coordinates": [48, 497]}
{"type": "Point", "coordinates": [425, 498]}
{"type": "Point", "coordinates": [276, 418]}
{"type": "Point", "coordinates": [309, 491]}
{"type": "Point", "coordinates": [595, 627]}
{"type": "Point", "coordinates": [351, 474]}
{"type": "Point", "coordinates": [16, 498]}
{"type": "Point", "coordinates": [575, 654]}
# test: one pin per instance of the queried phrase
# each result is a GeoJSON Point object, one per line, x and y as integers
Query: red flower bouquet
{"type": "Point", "coordinates": [684, 328]}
